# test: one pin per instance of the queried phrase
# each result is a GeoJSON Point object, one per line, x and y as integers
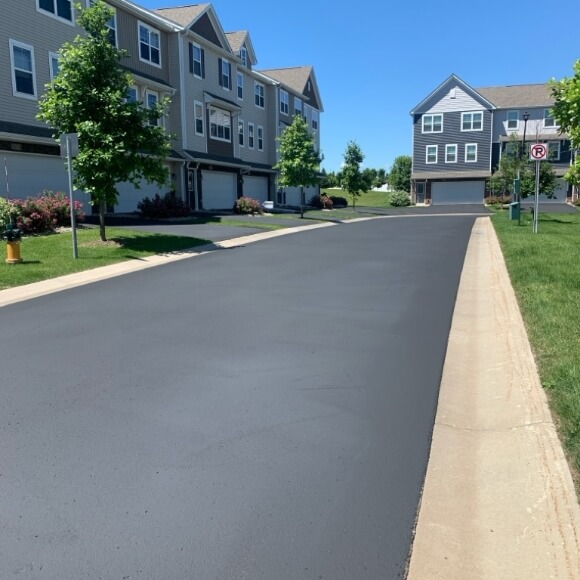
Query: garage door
{"type": "Point", "coordinates": [130, 196]}
{"type": "Point", "coordinates": [256, 187]}
{"type": "Point", "coordinates": [293, 195]}
{"type": "Point", "coordinates": [560, 194]}
{"type": "Point", "coordinates": [449, 192]}
{"type": "Point", "coordinates": [219, 190]}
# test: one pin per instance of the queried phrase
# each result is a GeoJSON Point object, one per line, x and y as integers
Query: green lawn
{"type": "Point", "coordinates": [50, 256]}
{"type": "Point", "coordinates": [545, 272]}
{"type": "Point", "coordinates": [368, 199]}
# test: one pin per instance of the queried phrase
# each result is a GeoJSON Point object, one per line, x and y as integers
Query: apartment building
{"type": "Point", "coordinates": [460, 133]}
{"type": "Point", "coordinates": [223, 113]}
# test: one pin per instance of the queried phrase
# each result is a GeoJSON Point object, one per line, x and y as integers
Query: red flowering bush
{"type": "Point", "coordinates": [248, 205]}
{"type": "Point", "coordinates": [321, 202]}
{"type": "Point", "coordinates": [41, 214]}
{"type": "Point", "coordinates": [167, 206]}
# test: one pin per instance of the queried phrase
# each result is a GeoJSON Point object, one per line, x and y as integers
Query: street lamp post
{"type": "Point", "coordinates": [525, 117]}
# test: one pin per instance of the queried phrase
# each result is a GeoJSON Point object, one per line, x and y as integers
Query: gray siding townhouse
{"type": "Point", "coordinates": [31, 33]}
{"type": "Point", "coordinates": [460, 133]}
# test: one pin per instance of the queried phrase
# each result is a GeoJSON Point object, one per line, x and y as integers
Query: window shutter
{"type": "Point", "coordinates": [220, 72]}
{"type": "Point", "coordinates": [202, 63]}
{"type": "Point", "coordinates": [230, 75]}
{"type": "Point", "coordinates": [191, 58]}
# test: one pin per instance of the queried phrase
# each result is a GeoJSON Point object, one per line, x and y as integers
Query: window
{"type": "Point", "coordinates": [471, 153]}
{"type": "Point", "coordinates": [240, 78]}
{"type": "Point", "coordinates": [241, 133]}
{"type": "Point", "coordinates": [549, 121]}
{"type": "Point", "coordinates": [513, 119]}
{"type": "Point", "coordinates": [431, 154]}
{"type": "Point", "coordinates": [196, 61]}
{"type": "Point", "coordinates": [472, 121]}
{"type": "Point", "coordinates": [432, 123]}
{"type": "Point", "coordinates": [259, 95]}
{"type": "Point", "coordinates": [297, 106]}
{"type": "Point", "coordinates": [554, 150]}
{"type": "Point", "coordinates": [251, 135]}
{"type": "Point", "coordinates": [225, 72]}
{"type": "Point", "coordinates": [198, 116]}
{"type": "Point", "coordinates": [132, 94]}
{"type": "Point", "coordinates": [244, 55]}
{"type": "Point", "coordinates": [314, 120]}
{"type": "Point", "coordinates": [149, 45]}
{"type": "Point", "coordinates": [284, 102]}
{"type": "Point", "coordinates": [23, 74]}
{"type": "Point", "coordinates": [450, 153]}
{"type": "Point", "coordinates": [151, 100]}
{"type": "Point", "coordinates": [53, 65]}
{"type": "Point", "coordinates": [220, 124]}
{"type": "Point", "coordinates": [61, 9]}
{"type": "Point", "coordinates": [260, 138]}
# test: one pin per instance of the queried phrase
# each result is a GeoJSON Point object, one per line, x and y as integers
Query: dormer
{"type": "Point", "coordinates": [241, 45]}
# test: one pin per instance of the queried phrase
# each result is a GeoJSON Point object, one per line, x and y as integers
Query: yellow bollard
{"type": "Point", "coordinates": [13, 252]}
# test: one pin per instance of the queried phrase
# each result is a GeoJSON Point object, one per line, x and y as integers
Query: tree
{"type": "Point", "coordinates": [400, 174]}
{"type": "Point", "coordinates": [352, 180]}
{"type": "Point", "coordinates": [119, 140]}
{"type": "Point", "coordinates": [299, 162]}
{"type": "Point", "coordinates": [566, 112]}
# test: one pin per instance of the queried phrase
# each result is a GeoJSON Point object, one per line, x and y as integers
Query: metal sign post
{"type": "Point", "coordinates": [70, 148]}
{"type": "Point", "coordinates": [538, 152]}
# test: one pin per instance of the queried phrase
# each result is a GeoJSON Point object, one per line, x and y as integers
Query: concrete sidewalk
{"type": "Point", "coordinates": [499, 502]}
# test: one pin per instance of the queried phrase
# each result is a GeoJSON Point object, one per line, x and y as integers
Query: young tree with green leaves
{"type": "Point", "coordinates": [299, 162]}
{"type": "Point", "coordinates": [119, 140]}
{"type": "Point", "coordinates": [400, 174]}
{"type": "Point", "coordinates": [352, 179]}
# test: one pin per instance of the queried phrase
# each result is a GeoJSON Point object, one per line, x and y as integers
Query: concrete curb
{"type": "Point", "coordinates": [499, 501]}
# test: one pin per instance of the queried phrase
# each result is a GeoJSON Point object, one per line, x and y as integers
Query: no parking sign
{"type": "Point", "coordinates": [539, 151]}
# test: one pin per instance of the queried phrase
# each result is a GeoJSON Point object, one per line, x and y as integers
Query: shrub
{"type": "Point", "coordinates": [338, 201]}
{"type": "Point", "coordinates": [498, 199]}
{"type": "Point", "coordinates": [576, 202]}
{"type": "Point", "coordinates": [248, 205]}
{"type": "Point", "coordinates": [399, 199]}
{"type": "Point", "coordinates": [36, 215]}
{"type": "Point", "coordinates": [168, 206]}
{"type": "Point", "coordinates": [321, 202]}
{"type": "Point", "coordinates": [8, 211]}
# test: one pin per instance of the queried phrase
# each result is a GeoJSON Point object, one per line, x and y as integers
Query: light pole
{"type": "Point", "coordinates": [525, 117]}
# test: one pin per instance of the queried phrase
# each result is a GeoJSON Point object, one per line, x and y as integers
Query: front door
{"type": "Point", "coordinates": [420, 192]}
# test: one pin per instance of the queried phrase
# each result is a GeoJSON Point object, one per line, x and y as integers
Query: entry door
{"type": "Point", "coordinates": [420, 192]}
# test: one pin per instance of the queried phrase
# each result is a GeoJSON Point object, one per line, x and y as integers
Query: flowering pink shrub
{"type": "Point", "coordinates": [248, 205]}
{"type": "Point", "coordinates": [44, 213]}
{"type": "Point", "coordinates": [168, 206]}
{"type": "Point", "coordinates": [321, 202]}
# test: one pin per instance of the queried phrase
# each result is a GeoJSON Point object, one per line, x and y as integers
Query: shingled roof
{"type": "Point", "coordinates": [236, 39]}
{"type": "Point", "coordinates": [295, 77]}
{"type": "Point", "coordinates": [518, 96]}
{"type": "Point", "coordinates": [183, 15]}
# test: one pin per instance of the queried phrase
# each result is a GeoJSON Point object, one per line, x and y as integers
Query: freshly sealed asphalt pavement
{"type": "Point", "coordinates": [258, 412]}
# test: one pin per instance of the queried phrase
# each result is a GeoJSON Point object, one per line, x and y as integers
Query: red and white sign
{"type": "Point", "coordinates": [538, 151]}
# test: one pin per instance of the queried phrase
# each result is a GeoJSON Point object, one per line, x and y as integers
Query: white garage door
{"type": "Point", "coordinates": [449, 192]}
{"type": "Point", "coordinates": [560, 194]}
{"type": "Point", "coordinates": [219, 190]}
{"type": "Point", "coordinates": [256, 187]}
{"type": "Point", "coordinates": [293, 195]}
{"type": "Point", "coordinates": [130, 196]}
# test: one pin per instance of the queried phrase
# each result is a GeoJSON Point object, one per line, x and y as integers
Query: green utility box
{"type": "Point", "coordinates": [515, 210]}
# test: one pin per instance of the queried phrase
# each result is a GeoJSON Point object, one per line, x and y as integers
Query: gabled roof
{"type": "Point", "coordinates": [297, 79]}
{"type": "Point", "coordinates": [454, 79]}
{"type": "Point", "coordinates": [240, 38]}
{"type": "Point", "coordinates": [184, 15]}
{"type": "Point", "coordinates": [535, 95]}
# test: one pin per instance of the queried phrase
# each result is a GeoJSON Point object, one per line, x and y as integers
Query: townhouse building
{"type": "Point", "coordinates": [223, 116]}
{"type": "Point", "coordinates": [460, 134]}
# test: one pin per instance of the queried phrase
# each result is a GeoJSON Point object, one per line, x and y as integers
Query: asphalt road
{"type": "Point", "coordinates": [259, 412]}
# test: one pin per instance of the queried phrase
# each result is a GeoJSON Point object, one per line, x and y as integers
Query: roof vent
{"type": "Point", "coordinates": [452, 94]}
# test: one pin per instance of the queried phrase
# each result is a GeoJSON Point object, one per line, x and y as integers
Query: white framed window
{"type": "Point", "coordinates": [259, 95]}
{"type": "Point", "coordinates": [196, 60]}
{"type": "Point", "coordinates": [220, 124]}
{"type": "Point", "coordinates": [151, 100]}
{"type": "Point", "coordinates": [314, 120]}
{"type": "Point", "coordinates": [225, 74]}
{"type": "Point", "coordinates": [471, 153]}
{"type": "Point", "coordinates": [450, 153]}
{"type": "Point", "coordinates": [297, 106]}
{"type": "Point", "coordinates": [432, 123]}
{"type": "Point", "coordinates": [23, 70]}
{"type": "Point", "coordinates": [132, 94]}
{"type": "Point", "coordinates": [513, 120]}
{"type": "Point", "coordinates": [198, 117]}
{"type": "Point", "coordinates": [53, 65]}
{"type": "Point", "coordinates": [472, 121]}
{"type": "Point", "coordinates": [240, 78]}
{"type": "Point", "coordinates": [244, 55]}
{"type": "Point", "coordinates": [431, 154]}
{"type": "Point", "coordinates": [549, 120]}
{"type": "Point", "coordinates": [241, 133]}
{"type": "Point", "coordinates": [251, 135]}
{"type": "Point", "coordinates": [284, 102]}
{"type": "Point", "coordinates": [149, 45]}
{"type": "Point", "coordinates": [554, 150]}
{"type": "Point", "coordinates": [260, 138]}
{"type": "Point", "coordinates": [59, 9]}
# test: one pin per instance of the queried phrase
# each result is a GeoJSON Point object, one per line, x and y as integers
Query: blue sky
{"type": "Point", "coordinates": [374, 61]}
